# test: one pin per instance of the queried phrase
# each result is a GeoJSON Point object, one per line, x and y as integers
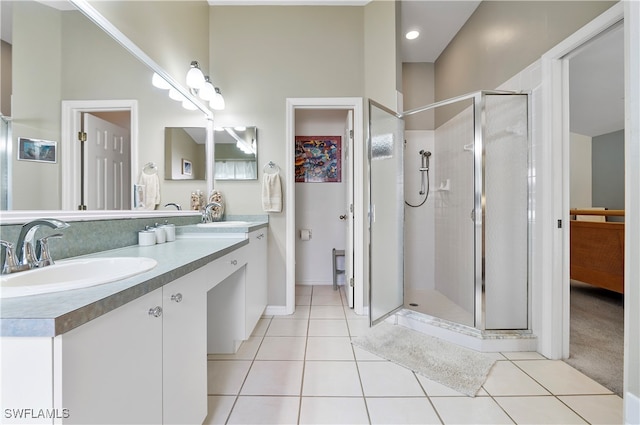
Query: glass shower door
{"type": "Point", "coordinates": [386, 212]}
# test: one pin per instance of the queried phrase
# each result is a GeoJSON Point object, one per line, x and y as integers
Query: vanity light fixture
{"type": "Point", "coordinates": [160, 82]}
{"type": "Point", "coordinates": [195, 77]}
{"type": "Point", "coordinates": [176, 95]}
{"type": "Point", "coordinates": [187, 104]}
{"type": "Point", "coordinates": [207, 91]}
{"type": "Point", "coordinates": [412, 35]}
{"type": "Point", "coordinates": [217, 102]}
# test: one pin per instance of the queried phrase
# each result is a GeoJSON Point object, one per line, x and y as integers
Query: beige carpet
{"type": "Point", "coordinates": [456, 367]}
{"type": "Point", "coordinates": [597, 334]}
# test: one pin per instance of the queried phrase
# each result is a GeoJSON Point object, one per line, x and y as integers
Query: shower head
{"type": "Point", "coordinates": [425, 153]}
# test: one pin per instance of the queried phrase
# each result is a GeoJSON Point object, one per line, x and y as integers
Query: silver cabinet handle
{"type": "Point", "coordinates": [155, 312]}
{"type": "Point", "coordinates": [260, 236]}
{"type": "Point", "coordinates": [177, 297]}
{"type": "Point", "coordinates": [234, 262]}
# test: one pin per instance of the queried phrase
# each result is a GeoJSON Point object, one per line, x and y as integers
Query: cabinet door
{"type": "Point", "coordinates": [184, 371]}
{"type": "Point", "coordinates": [109, 369]}
{"type": "Point", "coordinates": [256, 283]}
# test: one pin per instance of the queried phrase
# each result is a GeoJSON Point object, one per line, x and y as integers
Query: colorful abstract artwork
{"type": "Point", "coordinates": [318, 159]}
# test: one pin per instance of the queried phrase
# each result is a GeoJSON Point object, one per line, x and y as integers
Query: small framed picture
{"type": "Point", "coordinates": [37, 150]}
{"type": "Point", "coordinates": [186, 167]}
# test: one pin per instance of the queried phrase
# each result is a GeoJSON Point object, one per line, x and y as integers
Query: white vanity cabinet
{"type": "Point", "coordinates": [256, 279]}
{"type": "Point", "coordinates": [109, 370]}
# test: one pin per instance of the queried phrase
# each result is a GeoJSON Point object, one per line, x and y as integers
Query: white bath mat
{"type": "Point", "coordinates": [459, 368]}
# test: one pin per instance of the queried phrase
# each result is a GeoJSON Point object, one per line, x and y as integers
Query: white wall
{"type": "Point", "coordinates": [419, 233]}
{"type": "Point", "coordinates": [580, 173]}
{"type": "Point", "coordinates": [319, 205]}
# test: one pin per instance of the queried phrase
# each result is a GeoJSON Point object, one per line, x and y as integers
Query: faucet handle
{"type": "Point", "coordinates": [10, 264]}
{"type": "Point", "coordinates": [42, 250]}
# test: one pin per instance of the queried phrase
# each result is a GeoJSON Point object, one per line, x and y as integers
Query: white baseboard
{"type": "Point", "coordinates": [276, 310]}
{"type": "Point", "coordinates": [631, 409]}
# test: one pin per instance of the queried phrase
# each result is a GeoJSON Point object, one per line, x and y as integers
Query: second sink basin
{"type": "Point", "coordinates": [215, 224]}
{"type": "Point", "coordinates": [73, 274]}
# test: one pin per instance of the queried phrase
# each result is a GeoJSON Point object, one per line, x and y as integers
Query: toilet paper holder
{"type": "Point", "coordinates": [305, 234]}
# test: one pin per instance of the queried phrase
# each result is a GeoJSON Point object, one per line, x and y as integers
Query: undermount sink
{"type": "Point", "coordinates": [215, 224]}
{"type": "Point", "coordinates": [73, 274]}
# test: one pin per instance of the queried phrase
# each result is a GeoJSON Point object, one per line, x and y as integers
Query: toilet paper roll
{"type": "Point", "coordinates": [305, 234]}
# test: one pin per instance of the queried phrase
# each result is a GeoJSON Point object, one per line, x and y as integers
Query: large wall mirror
{"type": "Point", "coordinates": [57, 54]}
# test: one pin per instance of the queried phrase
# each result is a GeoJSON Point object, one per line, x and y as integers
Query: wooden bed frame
{"type": "Point", "coordinates": [597, 250]}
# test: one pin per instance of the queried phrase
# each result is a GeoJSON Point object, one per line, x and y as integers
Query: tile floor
{"type": "Point", "coordinates": [302, 369]}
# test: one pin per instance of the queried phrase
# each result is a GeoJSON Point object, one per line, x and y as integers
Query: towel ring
{"type": "Point", "coordinates": [150, 168]}
{"type": "Point", "coordinates": [271, 168]}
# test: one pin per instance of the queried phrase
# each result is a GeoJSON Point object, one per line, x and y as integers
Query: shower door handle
{"type": "Point", "coordinates": [343, 217]}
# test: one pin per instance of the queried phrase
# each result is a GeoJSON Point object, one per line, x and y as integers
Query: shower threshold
{"type": "Point", "coordinates": [480, 340]}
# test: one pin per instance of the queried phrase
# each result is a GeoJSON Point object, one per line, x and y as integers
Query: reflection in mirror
{"type": "Point", "coordinates": [236, 153]}
{"type": "Point", "coordinates": [57, 54]}
{"type": "Point", "coordinates": [184, 153]}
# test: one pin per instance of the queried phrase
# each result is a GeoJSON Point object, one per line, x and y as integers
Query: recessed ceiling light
{"type": "Point", "coordinates": [411, 35]}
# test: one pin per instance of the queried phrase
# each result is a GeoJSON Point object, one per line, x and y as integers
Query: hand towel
{"type": "Point", "coordinates": [271, 193]}
{"type": "Point", "coordinates": [151, 185]}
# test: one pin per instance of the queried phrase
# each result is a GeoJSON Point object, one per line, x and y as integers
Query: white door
{"type": "Point", "coordinates": [107, 171]}
{"type": "Point", "coordinates": [348, 173]}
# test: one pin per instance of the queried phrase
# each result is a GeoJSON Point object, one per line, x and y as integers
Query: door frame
{"type": "Point", "coordinates": [70, 153]}
{"type": "Point", "coordinates": [355, 104]}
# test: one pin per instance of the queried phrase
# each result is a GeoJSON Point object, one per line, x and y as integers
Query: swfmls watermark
{"type": "Point", "coordinates": [31, 413]}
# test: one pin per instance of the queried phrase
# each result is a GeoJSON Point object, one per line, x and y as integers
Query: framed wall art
{"type": "Point", "coordinates": [318, 159]}
{"type": "Point", "coordinates": [187, 167]}
{"type": "Point", "coordinates": [37, 150]}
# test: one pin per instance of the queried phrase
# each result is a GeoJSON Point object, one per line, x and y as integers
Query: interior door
{"type": "Point", "coordinates": [348, 172]}
{"type": "Point", "coordinates": [386, 212]}
{"type": "Point", "coordinates": [106, 165]}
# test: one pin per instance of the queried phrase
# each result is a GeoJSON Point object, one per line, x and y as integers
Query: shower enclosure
{"type": "Point", "coordinates": [480, 193]}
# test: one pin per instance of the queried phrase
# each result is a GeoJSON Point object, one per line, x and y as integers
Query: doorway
{"type": "Point", "coordinates": [304, 108]}
{"type": "Point", "coordinates": [114, 114]}
{"type": "Point", "coordinates": [595, 74]}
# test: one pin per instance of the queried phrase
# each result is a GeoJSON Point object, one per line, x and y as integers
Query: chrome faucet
{"type": "Point", "coordinates": [29, 252]}
{"type": "Point", "coordinates": [178, 207]}
{"type": "Point", "coordinates": [206, 211]}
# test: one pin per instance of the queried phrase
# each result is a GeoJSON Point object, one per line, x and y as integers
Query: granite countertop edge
{"type": "Point", "coordinates": [49, 315]}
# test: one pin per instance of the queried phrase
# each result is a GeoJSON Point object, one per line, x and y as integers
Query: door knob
{"type": "Point", "coordinates": [343, 217]}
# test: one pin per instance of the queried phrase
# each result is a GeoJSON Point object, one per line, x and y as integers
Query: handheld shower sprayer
{"type": "Point", "coordinates": [425, 160]}
{"type": "Point", "coordinates": [424, 168]}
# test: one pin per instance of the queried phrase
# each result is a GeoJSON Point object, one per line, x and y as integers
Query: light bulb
{"type": "Point", "coordinates": [207, 91]}
{"type": "Point", "coordinates": [160, 82]}
{"type": "Point", "coordinates": [195, 77]}
{"type": "Point", "coordinates": [176, 95]}
{"type": "Point", "coordinates": [187, 104]}
{"type": "Point", "coordinates": [217, 102]}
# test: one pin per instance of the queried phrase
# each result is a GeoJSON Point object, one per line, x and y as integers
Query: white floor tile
{"type": "Point", "coordinates": [328, 327]}
{"type": "Point", "coordinates": [597, 409]}
{"type": "Point", "coordinates": [364, 355]}
{"type": "Point", "coordinates": [304, 289]}
{"type": "Point", "coordinates": [274, 378]}
{"type": "Point", "coordinates": [247, 351]}
{"type": "Point", "coordinates": [225, 377]}
{"type": "Point", "coordinates": [333, 410]}
{"type": "Point", "coordinates": [329, 348]}
{"type": "Point", "coordinates": [331, 379]}
{"type": "Point", "coordinates": [218, 408]}
{"type": "Point", "coordinates": [387, 379]}
{"type": "Point", "coordinates": [358, 327]}
{"type": "Point", "coordinates": [560, 378]}
{"type": "Point", "coordinates": [265, 410]}
{"type": "Point", "coordinates": [523, 355]}
{"type": "Point", "coordinates": [506, 379]}
{"type": "Point", "coordinates": [301, 312]}
{"type": "Point", "coordinates": [398, 410]}
{"type": "Point", "coordinates": [538, 410]}
{"type": "Point", "coordinates": [323, 290]}
{"type": "Point", "coordinates": [327, 312]}
{"type": "Point", "coordinates": [332, 299]}
{"type": "Point", "coordinates": [467, 410]}
{"type": "Point", "coordinates": [261, 327]}
{"type": "Point", "coordinates": [282, 348]}
{"type": "Point", "coordinates": [303, 299]}
{"type": "Point", "coordinates": [288, 327]}
{"type": "Point", "coordinates": [351, 313]}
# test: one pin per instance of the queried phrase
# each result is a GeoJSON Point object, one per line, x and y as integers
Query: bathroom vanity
{"type": "Point", "coordinates": [135, 350]}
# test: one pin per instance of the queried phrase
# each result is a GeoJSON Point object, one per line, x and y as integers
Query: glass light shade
{"type": "Point", "coordinates": [195, 77]}
{"type": "Point", "coordinates": [207, 92]}
{"type": "Point", "coordinates": [176, 95]}
{"type": "Point", "coordinates": [217, 102]}
{"type": "Point", "coordinates": [187, 104]}
{"type": "Point", "coordinates": [412, 35]}
{"type": "Point", "coordinates": [160, 82]}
